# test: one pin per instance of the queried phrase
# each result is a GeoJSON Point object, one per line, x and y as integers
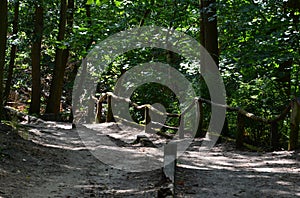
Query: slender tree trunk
{"type": "Point", "coordinates": [3, 38]}
{"type": "Point", "coordinates": [35, 61]}
{"type": "Point", "coordinates": [12, 52]}
{"type": "Point", "coordinates": [89, 21]}
{"type": "Point", "coordinates": [53, 104]}
{"type": "Point", "coordinates": [66, 52]}
{"type": "Point", "coordinates": [69, 28]}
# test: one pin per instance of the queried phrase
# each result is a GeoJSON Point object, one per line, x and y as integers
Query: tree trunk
{"type": "Point", "coordinates": [199, 132]}
{"type": "Point", "coordinates": [240, 131]}
{"type": "Point", "coordinates": [274, 136]}
{"type": "Point", "coordinates": [3, 38]}
{"type": "Point", "coordinates": [209, 31]}
{"type": "Point", "coordinates": [109, 116]}
{"type": "Point", "coordinates": [35, 60]}
{"type": "Point", "coordinates": [209, 36]}
{"type": "Point", "coordinates": [295, 120]}
{"type": "Point", "coordinates": [72, 75]}
{"type": "Point", "coordinates": [53, 104]}
{"type": "Point", "coordinates": [12, 52]}
{"type": "Point", "coordinates": [69, 28]}
{"type": "Point", "coordinates": [66, 52]}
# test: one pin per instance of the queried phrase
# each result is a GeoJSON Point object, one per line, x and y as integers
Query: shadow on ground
{"type": "Point", "coordinates": [51, 161]}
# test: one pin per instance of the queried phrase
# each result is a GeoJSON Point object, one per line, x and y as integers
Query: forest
{"type": "Point", "coordinates": [254, 44]}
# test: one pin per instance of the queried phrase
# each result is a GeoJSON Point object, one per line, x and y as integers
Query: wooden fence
{"type": "Point", "coordinates": [242, 115]}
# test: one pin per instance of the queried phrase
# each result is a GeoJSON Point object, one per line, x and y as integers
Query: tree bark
{"type": "Point", "coordinates": [209, 36]}
{"type": "Point", "coordinates": [240, 131]}
{"type": "Point", "coordinates": [53, 104]}
{"type": "Point", "coordinates": [36, 59]}
{"type": "Point", "coordinates": [109, 116]}
{"type": "Point", "coordinates": [199, 132]}
{"type": "Point", "coordinates": [274, 136]}
{"type": "Point", "coordinates": [208, 28]}
{"type": "Point", "coordinates": [3, 38]}
{"type": "Point", "coordinates": [295, 120]}
{"type": "Point", "coordinates": [12, 52]}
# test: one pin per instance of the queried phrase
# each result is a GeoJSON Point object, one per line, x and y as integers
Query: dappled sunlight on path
{"type": "Point", "coordinates": [55, 162]}
{"type": "Point", "coordinates": [224, 172]}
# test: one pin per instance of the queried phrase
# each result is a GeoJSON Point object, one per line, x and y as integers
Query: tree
{"type": "Point", "coordinates": [35, 60]}
{"type": "Point", "coordinates": [209, 40]}
{"type": "Point", "coordinates": [3, 38]}
{"type": "Point", "coordinates": [53, 104]}
{"type": "Point", "coordinates": [12, 51]}
{"type": "Point", "coordinates": [208, 28]}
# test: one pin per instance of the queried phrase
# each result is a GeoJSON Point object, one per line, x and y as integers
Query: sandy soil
{"type": "Point", "coordinates": [50, 160]}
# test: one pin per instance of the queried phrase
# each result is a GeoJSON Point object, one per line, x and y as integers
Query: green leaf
{"type": "Point", "coordinates": [90, 2]}
{"type": "Point", "coordinates": [118, 3]}
{"type": "Point", "coordinates": [98, 3]}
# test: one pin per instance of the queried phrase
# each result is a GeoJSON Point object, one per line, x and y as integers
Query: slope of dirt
{"type": "Point", "coordinates": [51, 161]}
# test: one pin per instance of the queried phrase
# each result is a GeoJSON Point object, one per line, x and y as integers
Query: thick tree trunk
{"type": "Point", "coordinates": [35, 60]}
{"type": "Point", "coordinates": [12, 52]}
{"type": "Point", "coordinates": [209, 31]}
{"type": "Point", "coordinates": [3, 38]}
{"type": "Point", "coordinates": [209, 36]}
{"type": "Point", "coordinates": [53, 104]}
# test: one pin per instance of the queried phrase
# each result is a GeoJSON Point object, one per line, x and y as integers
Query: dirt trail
{"type": "Point", "coordinates": [52, 161]}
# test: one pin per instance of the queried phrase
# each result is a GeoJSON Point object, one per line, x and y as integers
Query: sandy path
{"type": "Point", "coordinates": [55, 163]}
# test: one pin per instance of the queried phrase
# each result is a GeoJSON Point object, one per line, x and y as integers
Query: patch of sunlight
{"type": "Point", "coordinates": [280, 162]}
{"type": "Point", "coordinates": [277, 192]}
{"type": "Point", "coordinates": [222, 167]}
{"type": "Point", "coordinates": [70, 167]}
{"type": "Point", "coordinates": [284, 183]}
{"type": "Point", "coordinates": [36, 132]}
{"type": "Point", "coordinates": [270, 170]}
{"type": "Point", "coordinates": [253, 176]}
{"type": "Point", "coordinates": [193, 167]}
{"type": "Point", "coordinates": [60, 146]}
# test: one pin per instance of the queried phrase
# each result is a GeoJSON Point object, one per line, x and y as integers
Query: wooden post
{"type": "Point", "coordinates": [109, 115]}
{"type": "Point", "coordinates": [295, 120]}
{"type": "Point", "coordinates": [98, 112]}
{"type": "Point", "coordinates": [240, 131]}
{"type": "Point", "coordinates": [147, 120]}
{"type": "Point", "coordinates": [91, 110]}
{"type": "Point", "coordinates": [98, 117]}
{"type": "Point", "coordinates": [200, 116]}
{"type": "Point", "coordinates": [274, 136]}
{"type": "Point", "coordinates": [169, 169]}
{"type": "Point", "coordinates": [181, 127]}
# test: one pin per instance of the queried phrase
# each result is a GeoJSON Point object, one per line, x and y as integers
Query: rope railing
{"type": "Point", "coordinates": [242, 114]}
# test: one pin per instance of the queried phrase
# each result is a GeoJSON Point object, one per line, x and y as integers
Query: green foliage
{"type": "Point", "coordinates": [258, 41]}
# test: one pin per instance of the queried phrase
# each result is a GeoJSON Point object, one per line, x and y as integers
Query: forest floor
{"type": "Point", "coordinates": [48, 159]}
